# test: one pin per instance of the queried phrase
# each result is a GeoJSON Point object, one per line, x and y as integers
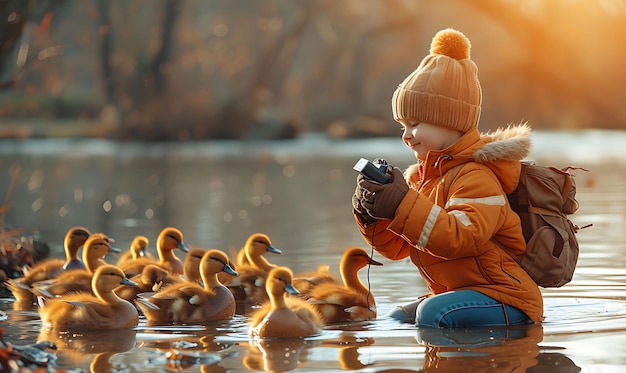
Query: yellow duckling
{"type": "Point", "coordinates": [94, 250]}
{"type": "Point", "coordinates": [189, 302]}
{"type": "Point", "coordinates": [249, 287]}
{"type": "Point", "coordinates": [351, 301]}
{"type": "Point", "coordinates": [138, 249]}
{"type": "Point", "coordinates": [151, 279]}
{"type": "Point", "coordinates": [105, 310]}
{"type": "Point", "coordinates": [283, 317]}
{"type": "Point", "coordinates": [50, 268]}
{"type": "Point", "coordinates": [191, 265]}
{"type": "Point", "coordinates": [304, 282]}
{"type": "Point", "coordinates": [168, 240]}
{"type": "Point", "coordinates": [73, 241]}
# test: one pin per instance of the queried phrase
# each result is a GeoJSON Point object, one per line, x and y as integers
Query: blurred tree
{"type": "Point", "coordinates": [193, 69]}
{"type": "Point", "coordinates": [267, 77]}
{"type": "Point", "coordinates": [106, 50]}
{"type": "Point", "coordinates": [13, 16]}
{"type": "Point", "coordinates": [352, 59]}
{"type": "Point", "coordinates": [146, 89]}
{"type": "Point", "coordinates": [15, 54]}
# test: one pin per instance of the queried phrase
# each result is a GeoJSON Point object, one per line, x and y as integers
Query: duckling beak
{"type": "Point", "coordinates": [291, 289]}
{"type": "Point", "coordinates": [128, 282]}
{"type": "Point", "coordinates": [228, 269]}
{"type": "Point", "coordinates": [374, 262]}
{"type": "Point", "coordinates": [273, 249]}
{"type": "Point", "coordinates": [183, 247]}
{"type": "Point", "coordinates": [114, 250]}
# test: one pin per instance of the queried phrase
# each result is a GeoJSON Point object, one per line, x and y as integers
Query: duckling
{"type": "Point", "coordinates": [351, 301]}
{"type": "Point", "coordinates": [50, 268]}
{"type": "Point", "coordinates": [168, 240]}
{"type": "Point", "coordinates": [191, 265]}
{"type": "Point", "coordinates": [304, 282]}
{"type": "Point", "coordinates": [151, 279]}
{"type": "Point", "coordinates": [249, 287]}
{"type": "Point", "coordinates": [189, 302]}
{"type": "Point", "coordinates": [94, 250]}
{"type": "Point", "coordinates": [284, 317]}
{"type": "Point", "coordinates": [105, 310]}
{"type": "Point", "coordinates": [251, 254]}
{"type": "Point", "coordinates": [256, 246]}
{"type": "Point", "coordinates": [77, 238]}
{"type": "Point", "coordinates": [137, 250]}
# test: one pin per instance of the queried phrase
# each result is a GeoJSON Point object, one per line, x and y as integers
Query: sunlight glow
{"type": "Point", "coordinates": [613, 7]}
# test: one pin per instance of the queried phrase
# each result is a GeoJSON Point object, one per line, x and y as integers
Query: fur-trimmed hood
{"type": "Point", "coordinates": [499, 150]}
{"type": "Point", "coordinates": [511, 143]}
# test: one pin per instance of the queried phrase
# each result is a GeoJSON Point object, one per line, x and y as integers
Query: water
{"type": "Point", "coordinates": [298, 192]}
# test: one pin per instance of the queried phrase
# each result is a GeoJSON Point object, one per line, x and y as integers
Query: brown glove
{"type": "Point", "coordinates": [381, 200]}
{"type": "Point", "coordinates": [356, 203]}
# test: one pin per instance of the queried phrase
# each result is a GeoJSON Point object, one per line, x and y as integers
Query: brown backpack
{"type": "Point", "coordinates": [543, 199]}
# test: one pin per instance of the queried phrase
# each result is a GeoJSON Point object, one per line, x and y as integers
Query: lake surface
{"type": "Point", "coordinates": [298, 192]}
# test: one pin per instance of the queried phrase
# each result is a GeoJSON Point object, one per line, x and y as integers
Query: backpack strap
{"type": "Point", "coordinates": [539, 210]}
{"type": "Point", "coordinates": [567, 187]}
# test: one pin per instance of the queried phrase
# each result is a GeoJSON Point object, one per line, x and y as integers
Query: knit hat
{"type": "Point", "coordinates": [444, 89]}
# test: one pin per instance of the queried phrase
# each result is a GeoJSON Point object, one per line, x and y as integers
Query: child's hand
{"type": "Point", "coordinates": [381, 200]}
{"type": "Point", "coordinates": [357, 205]}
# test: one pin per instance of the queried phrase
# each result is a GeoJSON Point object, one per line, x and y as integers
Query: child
{"type": "Point", "coordinates": [454, 232]}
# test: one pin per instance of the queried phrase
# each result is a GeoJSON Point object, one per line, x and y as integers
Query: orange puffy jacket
{"type": "Point", "coordinates": [456, 241]}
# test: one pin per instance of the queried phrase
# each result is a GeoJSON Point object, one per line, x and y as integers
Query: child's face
{"type": "Point", "coordinates": [424, 137]}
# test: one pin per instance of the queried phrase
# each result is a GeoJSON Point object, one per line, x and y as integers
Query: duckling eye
{"type": "Point", "coordinates": [260, 242]}
{"type": "Point", "coordinates": [172, 237]}
{"type": "Point", "coordinates": [218, 260]}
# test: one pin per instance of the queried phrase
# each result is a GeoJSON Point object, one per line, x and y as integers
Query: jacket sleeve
{"type": "Point", "coordinates": [384, 241]}
{"type": "Point", "coordinates": [475, 211]}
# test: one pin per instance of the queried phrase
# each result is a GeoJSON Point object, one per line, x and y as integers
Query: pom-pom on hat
{"type": "Point", "coordinates": [444, 89]}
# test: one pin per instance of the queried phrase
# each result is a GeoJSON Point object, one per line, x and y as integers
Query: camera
{"type": "Point", "coordinates": [373, 171]}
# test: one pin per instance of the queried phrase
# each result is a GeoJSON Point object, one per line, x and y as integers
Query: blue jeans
{"type": "Point", "coordinates": [466, 309]}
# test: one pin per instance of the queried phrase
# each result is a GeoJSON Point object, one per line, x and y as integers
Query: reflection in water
{"type": "Point", "coordinates": [24, 306]}
{"type": "Point", "coordinates": [179, 360]}
{"type": "Point", "coordinates": [205, 343]}
{"type": "Point", "coordinates": [514, 349]}
{"type": "Point", "coordinates": [275, 355]}
{"type": "Point", "coordinates": [349, 344]}
{"type": "Point", "coordinates": [185, 352]}
{"type": "Point", "coordinates": [94, 347]}
{"type": "Point", "coordinates": [219, 193]}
